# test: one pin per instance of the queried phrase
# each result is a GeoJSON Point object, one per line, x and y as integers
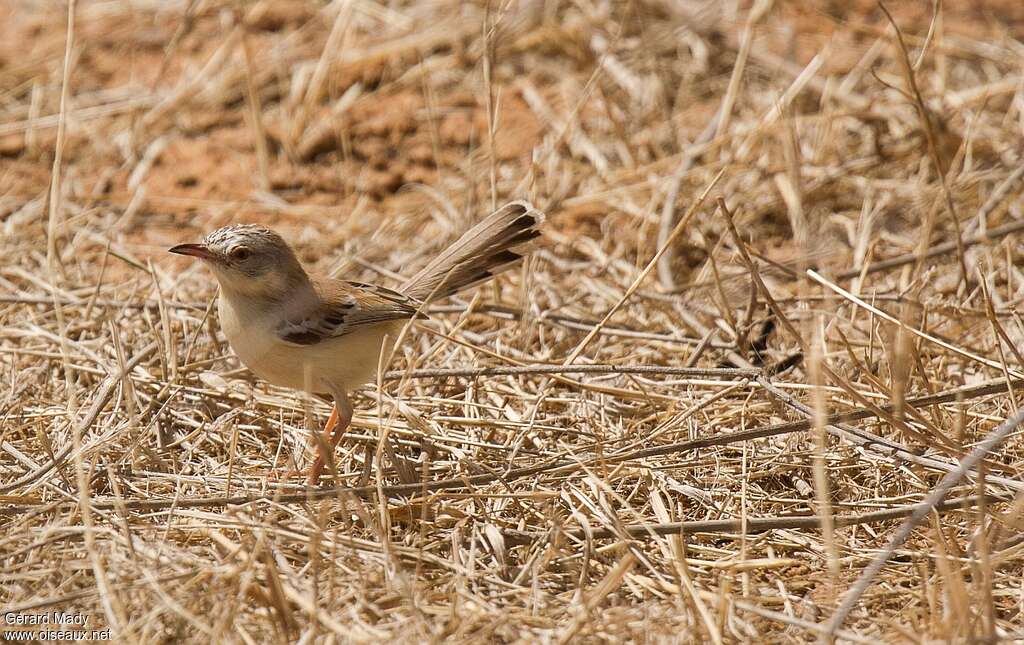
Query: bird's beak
{"type": "Point", "coordinates": [195, 250]}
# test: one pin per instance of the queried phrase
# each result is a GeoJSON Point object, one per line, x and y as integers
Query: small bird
{"type": "Point", "coordinates": [324, 335]}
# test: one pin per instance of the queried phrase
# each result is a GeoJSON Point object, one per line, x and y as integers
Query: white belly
{"type": "Point", "coordinates": [341, 363]}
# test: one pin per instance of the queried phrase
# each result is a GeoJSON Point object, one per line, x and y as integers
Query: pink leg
{"type": "Point", "coordinates": [334, 430]}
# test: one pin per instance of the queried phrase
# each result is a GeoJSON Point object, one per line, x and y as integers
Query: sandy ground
{"type": "Point", "coordinates": [369, 134]}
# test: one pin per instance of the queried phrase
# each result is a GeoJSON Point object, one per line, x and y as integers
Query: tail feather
{"type": "Point", "coordinates": [483, 251]}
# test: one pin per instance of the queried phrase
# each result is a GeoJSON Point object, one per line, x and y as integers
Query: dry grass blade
{"type": "Point", "coordinates": [921, 511]}
{"type": "Point", "coordinates": [577, 450]}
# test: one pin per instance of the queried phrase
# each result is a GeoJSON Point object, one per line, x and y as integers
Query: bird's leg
{"type": "Point", "coordinates": [334, 430]}
{"type": "Point", "coordinates": [322, 439]}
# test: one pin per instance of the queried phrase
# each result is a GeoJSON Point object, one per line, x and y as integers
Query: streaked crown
{"type": "Point", "coordinates": [253, 237]}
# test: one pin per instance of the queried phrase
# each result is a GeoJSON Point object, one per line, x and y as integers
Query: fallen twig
{"type": "Point", "coordinates": [918, 512]}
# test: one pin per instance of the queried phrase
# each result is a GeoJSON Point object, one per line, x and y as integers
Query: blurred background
{"type": "Point", "coordinates": [372, 132]}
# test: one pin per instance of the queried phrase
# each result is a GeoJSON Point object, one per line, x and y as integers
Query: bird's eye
{"type": "Point", "coordinates": [241, 254]}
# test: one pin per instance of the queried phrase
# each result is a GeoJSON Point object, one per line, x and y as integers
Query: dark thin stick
{"type": "Point", "coordinates": [758, 524]}
{"type": "Point", "coordinates": [476, 372]}
{"type": "Point", "coordinates": [496, 311]}
{"type": "Point", "coordinates": [895, 420]}
{"type": "Point", "coordinates": [936, 249]}
{"type": "Point", "coordinates": [572, 322]}
{"type": "Point", "coordinates": [881, 446]}
{"type": "Point", "coordinates": [105, 303]}
{"type": "Point", "coordinates": [314, 494]}
{"type": "Point", "coordinates": [920, 511]}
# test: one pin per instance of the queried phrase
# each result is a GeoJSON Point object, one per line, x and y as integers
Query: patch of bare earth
{"type": "Point", "coordinates": [756, 417]}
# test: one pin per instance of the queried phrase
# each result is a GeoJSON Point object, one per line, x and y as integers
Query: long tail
{"type": "Point", "coordinates": [483, 251]}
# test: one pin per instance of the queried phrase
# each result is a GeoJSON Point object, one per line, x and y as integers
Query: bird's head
{"type": "Point", "coordinates": [248, 260]}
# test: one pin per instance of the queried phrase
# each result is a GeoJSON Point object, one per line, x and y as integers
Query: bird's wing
{"type": "Point", "coordinates": [345, 307]}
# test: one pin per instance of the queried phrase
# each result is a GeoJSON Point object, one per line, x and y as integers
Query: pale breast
{"type": "Point", "coordinates": [341, 363]}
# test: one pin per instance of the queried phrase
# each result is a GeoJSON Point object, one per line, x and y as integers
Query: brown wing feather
{"type": "Point", "coordinates": [484, 250]}
{"type": "Point", "coordinates": [346, 307]}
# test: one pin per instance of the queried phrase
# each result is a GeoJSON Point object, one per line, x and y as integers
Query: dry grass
{"type": "Point", "coordinates": [773, 377]}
